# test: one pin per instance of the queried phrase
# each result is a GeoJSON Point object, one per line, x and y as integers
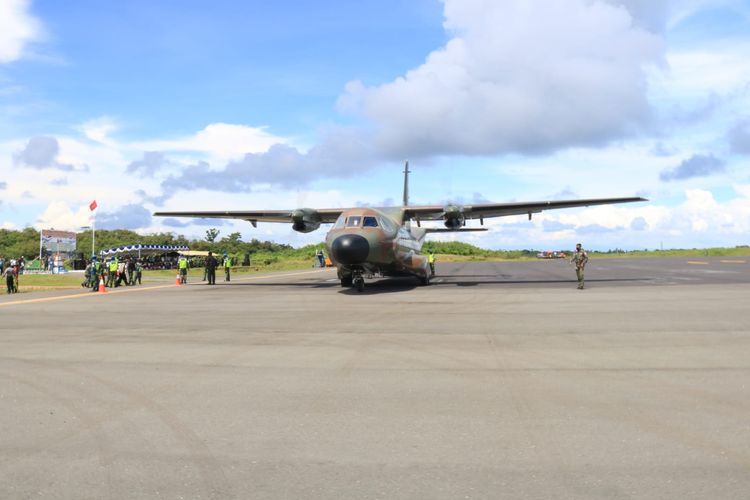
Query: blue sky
{"type": "Point", "coordinates": [149, 106]}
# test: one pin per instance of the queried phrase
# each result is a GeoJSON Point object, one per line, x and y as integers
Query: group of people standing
{"type": "Point", "coordinates": [113, 272]}
{"type": "Point", "coordinates": [209, 268]}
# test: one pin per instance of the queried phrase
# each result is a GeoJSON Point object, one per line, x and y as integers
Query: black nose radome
{"type": "Point", "coordinates": [350, 249]}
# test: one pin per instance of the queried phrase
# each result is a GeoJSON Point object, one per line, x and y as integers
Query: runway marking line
{"type": "Point", "coordinates": [79, 295]}
{"type": "Point", "coordinates": [697, 262]}
{"type": "Point", "coordinates": [131, 290]}
{"type": "Point", "coordinates": [248, 278]}
{"type": "Point", "coordinates": [733, 261]}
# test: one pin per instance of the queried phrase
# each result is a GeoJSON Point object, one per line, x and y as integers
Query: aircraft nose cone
{"type": "Point", "coordinates": [350, 249]}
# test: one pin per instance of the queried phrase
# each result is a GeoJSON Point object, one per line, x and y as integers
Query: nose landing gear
{"type": "Point", "coordinates": [355, 280]}
{"type": "Point", "coordinates": [359, 282]}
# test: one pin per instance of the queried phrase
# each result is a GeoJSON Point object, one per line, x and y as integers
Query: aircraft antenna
{"type": "Point", "coordinates": [406, 184]}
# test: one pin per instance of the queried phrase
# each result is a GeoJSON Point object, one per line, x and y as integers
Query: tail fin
{"type": "Point", "coordinates": [406, 184]}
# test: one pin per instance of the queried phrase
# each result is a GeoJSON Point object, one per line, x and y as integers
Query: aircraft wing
{"type": "Point", "coordinates": [325, 215]}
{"type": "Point", "coordinates": [486, 210]}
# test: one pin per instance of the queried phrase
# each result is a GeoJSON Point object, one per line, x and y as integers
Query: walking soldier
{"type": "Point", "coordinates": [580, 258]}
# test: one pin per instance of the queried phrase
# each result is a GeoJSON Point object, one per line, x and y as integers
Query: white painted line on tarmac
{"type": "Point", "coordinates": [697, 262]}
{"type": "Point", "coordinates": [733, 261]}
{"type": "Point", "coordinates": [266, 276]}
{"type": "Point", "coordinates": [316, 271]}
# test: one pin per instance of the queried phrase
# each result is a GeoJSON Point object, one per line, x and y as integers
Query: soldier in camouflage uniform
{"type": "Point", "coordinates": [580, 258]}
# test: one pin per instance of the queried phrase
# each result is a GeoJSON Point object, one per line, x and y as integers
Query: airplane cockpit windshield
{"type": "Point", "coordinates": [357, 221]}
{"type": "Point", "coordinates": [370, 222]}
{"type": "Point", "coordinates": [353, 221]}
{"type": "Point", "coordinates": [388, 226]}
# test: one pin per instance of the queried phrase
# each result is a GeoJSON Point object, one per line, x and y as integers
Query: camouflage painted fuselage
{"type": "Point", "coordinates": [391, 248]}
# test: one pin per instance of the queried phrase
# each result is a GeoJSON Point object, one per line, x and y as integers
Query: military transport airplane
{"type": "Point", "coordinates": [369, 242]}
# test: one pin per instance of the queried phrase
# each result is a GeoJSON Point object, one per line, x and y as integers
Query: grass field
{"type": "Point", "coordinates": [743, 251]}
{"type": "Point", "coordinates": [689, 253]}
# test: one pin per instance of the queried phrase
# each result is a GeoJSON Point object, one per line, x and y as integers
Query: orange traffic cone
{"type": "Point", "coordinates": [102, 288]}
{"type": "Point", "coordinates": [178, 281]}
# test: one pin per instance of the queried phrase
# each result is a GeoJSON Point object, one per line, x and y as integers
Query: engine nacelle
{"type": "Point", "coordinates": [305, 220]}
{"type": "Point", "coordinates": [454, 217]}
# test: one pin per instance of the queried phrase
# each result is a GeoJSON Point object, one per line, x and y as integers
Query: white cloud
{"type": "Point", "coordinates": [220, 142]}
{"type": "Point", "coordinates": [517, 76]}
{"type": "Point", "coordinates": [699, 221]}
{"type": "Point", "coordinates": [60, 215]}
{"type": "Point", "coordinates": [18, 28]}
{"type": "Point", "coordinates": [720, 69]}
{"type": "Point", "coordinates": [99, 130]}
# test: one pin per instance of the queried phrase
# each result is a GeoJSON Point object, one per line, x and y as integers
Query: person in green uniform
{"type": "Point", "coordinates": [227, 267]}
{"type": "Point", "coordinates": [431, 262]}
{"type": "Point", "coordinates": [579, 259]}
{"type": "Point", "coordinates": [96, 272]}
{"type": "Point", "coordinates": [112, 276]}
{"type": "Point", "coordinates": [138, 272]}
{"type": "Point", "coordinates": [87, 275]}
{"type": "Point", "coordinates": [183, 265]}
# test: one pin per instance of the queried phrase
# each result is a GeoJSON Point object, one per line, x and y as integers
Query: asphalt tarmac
{"type": "Point", "coordinates": [500, 380]}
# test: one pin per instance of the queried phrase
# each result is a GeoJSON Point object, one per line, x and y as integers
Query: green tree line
{"type": "Point", "coordinates": [20, 243]}
{"type": "Point", "coordinates": [469, 250]}
{"type": "Point", "coordinates": [25, 243]}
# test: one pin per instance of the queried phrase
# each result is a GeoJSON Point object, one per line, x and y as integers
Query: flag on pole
{"type": "Point", "coordinates": [93, 205]}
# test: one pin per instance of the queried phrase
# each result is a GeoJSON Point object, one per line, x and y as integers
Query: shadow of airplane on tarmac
{"type": "Point", "coordinates": [406, 284]}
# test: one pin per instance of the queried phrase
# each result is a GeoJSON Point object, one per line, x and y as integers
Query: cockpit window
{"type": "Point", "coordinates": [340, 222]}
{"type": "Point", "coordinates": [387, 224]}
{"type": "Point", "coordinates": [370, 222]}
{"type": "Point", "coordinates": [353, 221]}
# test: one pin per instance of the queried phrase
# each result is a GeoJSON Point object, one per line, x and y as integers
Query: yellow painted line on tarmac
{"type": "Point", "coordinates": [142, 289]}
{"type": "Point", "coordinates": [80, 295]}
{"type": "Point", "coordinates": [697, 262]}
{"type": "Point", "coordinates": [733, 261]}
